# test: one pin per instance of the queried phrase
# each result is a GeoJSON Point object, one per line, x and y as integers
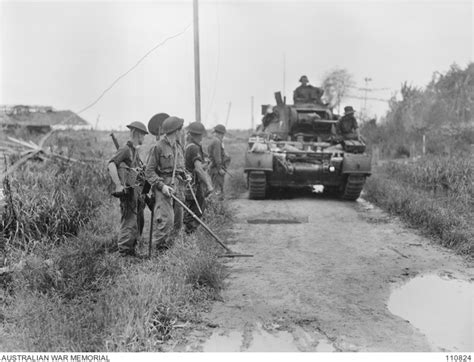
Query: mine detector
{"type": "Point", "coordinates": [297, 146]}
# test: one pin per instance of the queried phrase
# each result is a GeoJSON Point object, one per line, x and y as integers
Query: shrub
{"type": "Point", "coordinates": [49, 202]}
{"type": "Point", "coordinates": [404, 191]}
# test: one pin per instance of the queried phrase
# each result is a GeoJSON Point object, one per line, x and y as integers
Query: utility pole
{"type": "Point", "coordinates": [284, 74]}
{"type": "Point", "coordinates": [251, 111]}
{"type": "Point", "coordinates": [228, 114]}
{"type": "Point", "coordinates": [197, 78]}
{"type": "Point", "coordinates": [366, 80]}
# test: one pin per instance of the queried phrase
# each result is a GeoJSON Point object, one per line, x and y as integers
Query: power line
{"type": "Point", "coordinates": [133, 67]}
{"type": "Point", "coordinates": [369, 89]}
{"type": "Point", "coordinates": [368, 98]}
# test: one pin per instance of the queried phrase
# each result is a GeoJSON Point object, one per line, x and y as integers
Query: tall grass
{"type": "Point", "coordinates": [452, 176]}
{"type": "Point", "coordinates": [80, 297]}
{"type": "Point", "coordinates": [434, 194]}
{"type": "Point", "coordinates": [52, 201]}
{"type": "Point", "coordinates": [70, 291]}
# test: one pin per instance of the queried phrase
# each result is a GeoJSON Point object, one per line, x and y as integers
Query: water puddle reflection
{"type": "Point", "coordinates": [440, 308]}
{"type": "Point", "coordinates": [263, 341]}
{"type": "Point", "coordinates": [324, 346]}
{"type": "Point", "coordinates": [259, 341]}
{"type": "Point", "coordinates": [223, 343]}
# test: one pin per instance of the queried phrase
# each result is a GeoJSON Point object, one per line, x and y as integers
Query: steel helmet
{"type": "Point", "coordinates": [348, 110]}
{"type": "Point", "coordinates": [172, 124]}
{"type": "Point", "coordinates": [155, 123]}
{"type": "Point", "coordinates": [196, 128]}
{"type": "Point", "coordinates": [220, 129]}
{"type": "Point", "coordinates": [138, 125]}
{"type": "Point", "coordinates": [303, 77]}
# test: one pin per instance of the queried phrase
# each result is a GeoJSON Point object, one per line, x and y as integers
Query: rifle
{"type": "Point", "coordinates": [114, 139]}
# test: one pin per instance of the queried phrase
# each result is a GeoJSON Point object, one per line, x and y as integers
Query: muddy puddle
{"type": "Point", "coordinates": [440, 307]}
{"type": "Point", "coordinates": [259, 340]}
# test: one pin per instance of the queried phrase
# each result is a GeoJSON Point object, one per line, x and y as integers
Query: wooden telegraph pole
{"type": "Point", "coordinates": [197, 78]}
{"type": "Point", "coordinates": [251, 111]}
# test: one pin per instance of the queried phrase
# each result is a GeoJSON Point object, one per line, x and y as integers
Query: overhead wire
{"type": "Point", "coordinates": [163, 42]}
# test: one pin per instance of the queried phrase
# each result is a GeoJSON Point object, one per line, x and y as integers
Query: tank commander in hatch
{"type": "Point", "coordinates": [306, 93]}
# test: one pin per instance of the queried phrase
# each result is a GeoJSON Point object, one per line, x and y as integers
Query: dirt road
{"type": "Point", "coordinates": [320, 279]}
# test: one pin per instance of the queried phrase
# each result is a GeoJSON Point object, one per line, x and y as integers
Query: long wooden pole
{"type": "Point", "coordinates": [197, 77]}
{"type": "Point", "coordinates": [284, 75]}
{"type": "Point", "coordinates": [229, 253]}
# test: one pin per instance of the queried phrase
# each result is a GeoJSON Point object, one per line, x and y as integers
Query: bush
{"type": "Point", "coordinates": [415, 192]}
{"type": "Point", "coordinates": [402, 151]}
{"type": "Point", "coordinates": [49, 202]}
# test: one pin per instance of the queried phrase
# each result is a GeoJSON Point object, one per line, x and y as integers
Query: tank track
{"type": "Point", "coordinates": [353, 188]}
{"type": "Point", "coordinates": [257, 185]}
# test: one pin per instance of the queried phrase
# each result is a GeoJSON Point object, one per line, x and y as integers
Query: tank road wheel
{"type": "Point", "coordinates": [257, 185]}
{"type": "Point", "coordinates": [353, 188]}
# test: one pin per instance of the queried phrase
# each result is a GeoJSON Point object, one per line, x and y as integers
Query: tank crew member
{"type": "Point", "coordinates": [306, 93]}
{"type": "Point", "coordinates": [126, 162]}
{"type": "Point", "coordinates": [347, 126]}
{"type": "Point", "coordinates": [269, 117]}
{"type": "Point", "coordinates": [219, 159]}
{"type": "Point", "coordinates": [166, 174]}
{"type": "Point", "coordinates": [200, 182]}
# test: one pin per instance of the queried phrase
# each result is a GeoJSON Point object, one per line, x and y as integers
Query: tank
{"type": "Point", "coordinates": [297, 147]}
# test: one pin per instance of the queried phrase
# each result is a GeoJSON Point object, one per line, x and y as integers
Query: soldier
{"type": "Point", "coordinates": [306, 93]}
{"type": "Point", "coordinates": [166, 174]}
{"type": "Point", "coordinates": [347, 126]}
{"type": "Point", "coordinates": [125, 163]}
{"type": "Point", "coordinates": [269, 117]}
{"type": "Point", "coordinates": [200, 184]}
{"type": "Point", "coordinates": [219, 159]}
{"type": "Point", "coordinates": [155, 124]}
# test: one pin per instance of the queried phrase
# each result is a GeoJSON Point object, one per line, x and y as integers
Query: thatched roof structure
{"type": "Point", "coordinates": [34, 116]}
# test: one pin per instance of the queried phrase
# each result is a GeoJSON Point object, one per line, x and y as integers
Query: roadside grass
{"type": "Point", "coordinates": [236, 147]}
{"type": "Point", "coordinates": [434, 194]}
{"type": "Point", "coordinates": [68, 290]}
{"type": "Point", "coordinates": [81, 296]}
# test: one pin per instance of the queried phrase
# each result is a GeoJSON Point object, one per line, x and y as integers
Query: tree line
{"type": "Point", "coordinates": [441, 113]}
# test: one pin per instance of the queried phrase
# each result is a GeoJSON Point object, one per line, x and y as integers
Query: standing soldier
{"type": "Point", "coordinates": [123, 168]}
{"type": "Point", "coordinates": [166, 174]}
{"type": "Point", "coordinates": [219, 159]}
{"type": "Point", "coordinates": [200, 185]}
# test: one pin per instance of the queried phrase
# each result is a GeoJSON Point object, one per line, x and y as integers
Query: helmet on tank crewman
{"type": "Point", "coordinates": [220, 129]}
{"type": "Point", "coordinates": [155, 123]}
{"type": "Point", "coordinates": [348, 110]}
{"type": "Point", "coordinates": [139, 126]}
{"type": "Point", "coordinates": [304, 78]}
{"type": "Point", "coordinates": [196, 128]}
{"type": "Point", "coordinates": [172, 124]}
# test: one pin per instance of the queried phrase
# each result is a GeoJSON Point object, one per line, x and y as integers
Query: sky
{"type": "Point", "coordinates": [65, 54]}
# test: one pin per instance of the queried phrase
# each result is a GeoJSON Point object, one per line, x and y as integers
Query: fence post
{"type": "Point", "coordinates": [375, 155]}
{"type": "Point", "coordinates": [413, 151]}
